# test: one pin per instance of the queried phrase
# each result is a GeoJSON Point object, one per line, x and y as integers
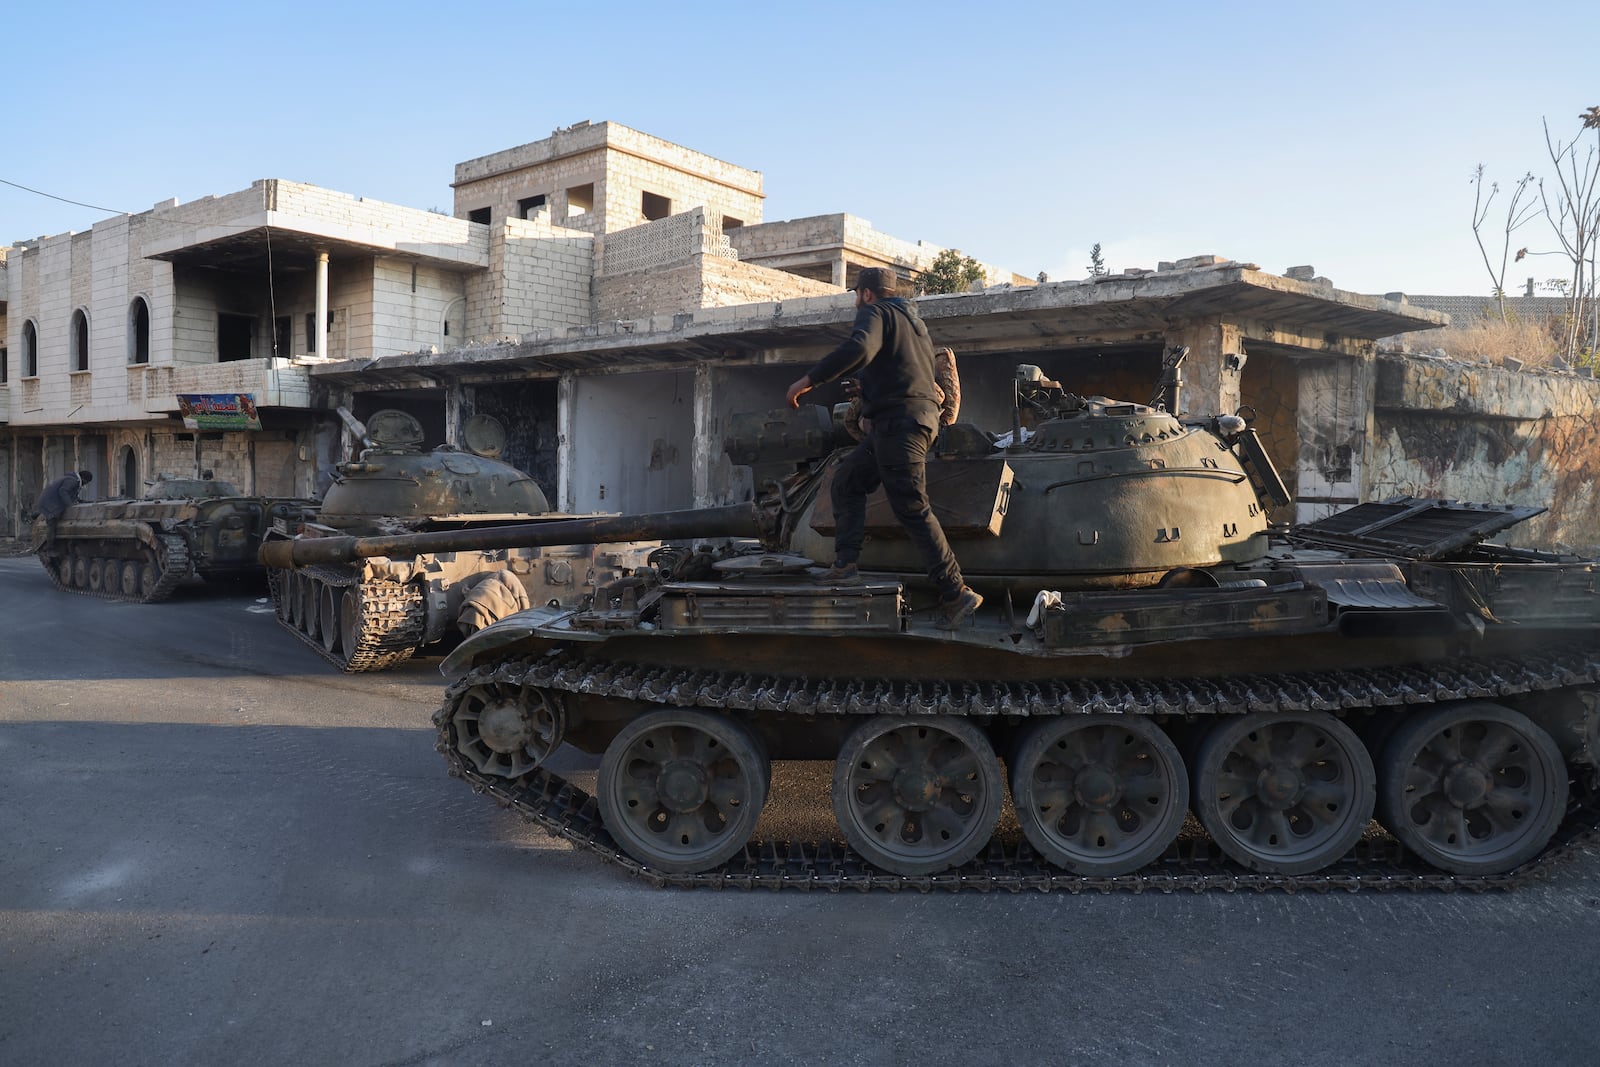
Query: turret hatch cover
{"type": "Point", "coordinates": [484, 435]}
{"type": "Point", "coordinates": [1413, 527]}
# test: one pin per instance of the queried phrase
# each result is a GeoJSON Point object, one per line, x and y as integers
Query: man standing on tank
{"type": "Point", "coordinates": [57, 497]}
{"type": "Point", "coordinates": [890, 352]}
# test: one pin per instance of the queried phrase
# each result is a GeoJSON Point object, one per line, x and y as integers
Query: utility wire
{"type": "Point", "coordinates": [64, 200]}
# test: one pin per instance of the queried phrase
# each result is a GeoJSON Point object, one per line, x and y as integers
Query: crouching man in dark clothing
{"type": "Point", "coordinates": [890, 353]}
{"type": "Point", "coordinates": [57, 497]}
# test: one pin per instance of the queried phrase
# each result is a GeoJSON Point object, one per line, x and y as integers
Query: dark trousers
{"type": "Point", "coordinates": [894, 455]}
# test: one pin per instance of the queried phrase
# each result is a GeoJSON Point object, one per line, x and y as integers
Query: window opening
{"type": "Point", "coordinates": [80, 340]}
{"type": "Point", "coordinates": [655, 207]}
{"type": "Point", "coordinates": [282, 336]}
{"type": "Point", "coordinates": [30, 350]}
{"type": "Point", "coordinates": [731, 223]}
{"type": "Point", "coordinates": [529, 206]}
{"type": "Point", "coordinates": [311, 329]}
{"type": "Point", "coordinates": [235, 337]}
{"type": "Point", "coordinates": [139, 331]}
{"type": "Point", "coordinates": [480, 215]}
{"type": "Point", "coordinates": [130, 473]}
{"type": "Point", "coordinates": [580, 199]}
{"type": "Point", "coordinates": [5, 368]}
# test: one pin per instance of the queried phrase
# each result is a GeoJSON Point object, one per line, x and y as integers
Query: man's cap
{"type": "Point", "coordinates": [878, 279]}
{"type": "Point", "coordinates": [86, 476]}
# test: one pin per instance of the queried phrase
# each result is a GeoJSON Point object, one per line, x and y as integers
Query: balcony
{"type": "Point", "coordinates": [274, 382]}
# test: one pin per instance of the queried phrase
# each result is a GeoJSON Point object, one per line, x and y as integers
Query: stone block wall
{"type": "Point", "coordinates": [1490, 435]}
{"type": "Point", "coordinates": [727, 282]}
{"type": "Point", "coordinates": [621, 163]}
{"type": "Point", "coordinates": [663, 243]}
{"type": "Point", "coordinates": [701, 282]}
{"type": "Point", "coordinates": [539, 277]}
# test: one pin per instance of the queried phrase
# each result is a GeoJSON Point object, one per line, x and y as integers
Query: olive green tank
{"type": "Point", "coordinates": [1382, 698]}
{"type": "Point", "coordinates": [377, 612]}
{"type": "Point", "coordinates": [142, 550]}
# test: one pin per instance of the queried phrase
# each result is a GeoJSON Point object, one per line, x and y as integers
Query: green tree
{"type": "Point", "coordinates": [951, 272]}
{"type": "Point", "coordinates": [1097, 263]}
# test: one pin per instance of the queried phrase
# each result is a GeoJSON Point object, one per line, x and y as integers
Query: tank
{"type": "Point", "coordinates": [1170, 691]}
{"type": "Point", "coordinates": [142, 550]}
{"type": "Point", "coordinates": [377, 612]}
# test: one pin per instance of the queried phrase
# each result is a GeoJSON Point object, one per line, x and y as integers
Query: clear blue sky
{"type": "Point", "coordinates": [1341, 135]}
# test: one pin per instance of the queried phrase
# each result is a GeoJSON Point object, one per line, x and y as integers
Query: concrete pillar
{"type": "Point", "coordinates": [1334, 424]}
{"type": "Point", "coordinates": [453, 416]}
{"type": "Point", "coordinates": [566, 397]}
{"type": "Point", "coordinates": [322, 304]}
{"type": "Point", "coordinates": [1213, 368]}
{"type": "Point", "coordinates": [838, 271]}
{"type": "Point", "coordinates": [707, 434]}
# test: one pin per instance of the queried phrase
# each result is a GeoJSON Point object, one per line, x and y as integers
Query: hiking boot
{"type": "Point", "coordinates": [952, 613]}
{"type": "Point", "coordinates": [839, 574]}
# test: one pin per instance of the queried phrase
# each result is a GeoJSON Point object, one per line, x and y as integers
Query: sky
{"type": "Point", "coordinates": [1339, 135]}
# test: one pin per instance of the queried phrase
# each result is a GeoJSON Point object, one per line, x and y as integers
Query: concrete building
{"type": "Point", "coordinates": [102, 332]}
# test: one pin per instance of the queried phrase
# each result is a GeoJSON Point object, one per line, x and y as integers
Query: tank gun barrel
{"type": "Point", "coordinates": [738, 520]}
{"type": "Point", "coordinates": [357, 427]}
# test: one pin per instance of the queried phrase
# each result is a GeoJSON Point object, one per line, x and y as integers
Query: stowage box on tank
{"type": "Point", "coordinates": [1149, 647]}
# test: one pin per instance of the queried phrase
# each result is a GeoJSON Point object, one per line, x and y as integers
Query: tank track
{"type": "Point", "coordinates": [395, 611]}
{"type": "Point", "coordinates": [175, 568]}
{"type": "Point", "coordinates": [1190, 865]}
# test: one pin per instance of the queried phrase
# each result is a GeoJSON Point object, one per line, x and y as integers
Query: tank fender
{"type": "Point", "coordinates": [114, 529]}
{"type": "Point", "coordinates": [542, 621]}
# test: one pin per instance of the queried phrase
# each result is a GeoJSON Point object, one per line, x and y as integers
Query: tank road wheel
{"type": "Point", "coordinates": [1099, 794]}
{"type": "Point", "coordinates": [278, 589]}
{"type": "Point", "coordinates": [64, 568]}
{"type": "Point", "coordinates": [328, 598]}
{"type": "Point", "coordinates": [291, 599]}
{"type": "Point", "coordinates": [80, 571]}
{"type": "Point", "coordinates": [917, 796]}
{"type": "Point", "coordinates": [149, 578]}
{"type": "Point", "coordinates": [1473, 788]}
{"type": "Point", "coordinates": [96, 574]}
{"type": "Point", "coordinates": [349, 620]}
{"type": "Point", "coordinates": [1287, 793]}
{"type": "Point", "coordinates": [506, 730]}
{"type": "Point", "coordinates": [680, 790]}
{"type": "Point", "coordinates": [130, 578]}
{"type": "Point", "coordinates": [310, 605]}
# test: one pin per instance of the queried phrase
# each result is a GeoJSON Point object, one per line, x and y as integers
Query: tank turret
{"type": "Point", "coordinates": [393, 481]}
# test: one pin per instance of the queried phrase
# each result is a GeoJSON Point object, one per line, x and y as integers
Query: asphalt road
{"type": "Point", "coordinates": [216, 849]}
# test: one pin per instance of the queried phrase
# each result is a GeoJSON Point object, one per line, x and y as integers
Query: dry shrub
{"type": "Point", "coordinates": [1491, 340]}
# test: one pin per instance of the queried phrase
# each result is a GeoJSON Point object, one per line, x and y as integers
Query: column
{"type": "Point", "coordinates": [1213, 368]}
{"type": "Point", "coordinates": [322, 304]}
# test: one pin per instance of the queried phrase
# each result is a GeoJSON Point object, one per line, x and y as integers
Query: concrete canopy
{"type": "Point", "coordinates": [1119, 310]}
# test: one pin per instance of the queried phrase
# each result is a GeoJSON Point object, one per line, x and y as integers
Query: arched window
{"type": "Point", "coordinates": [128, 463]}
{"type": "Point", "coordinates": [30, 350]}
{"type": "Point", "coordinates": [453, 330]}
{"type": "Point", "coordinates": [138, 331]}
{"type": "Point", "coordinates": [80, 340]}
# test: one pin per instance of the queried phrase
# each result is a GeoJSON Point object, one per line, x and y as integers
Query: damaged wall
{"type": "Point", "coordinates": [1486, 434]}
{"type": "Point", "coordinates": [702, 281]}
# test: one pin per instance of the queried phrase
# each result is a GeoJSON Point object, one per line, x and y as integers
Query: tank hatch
{"type": "Point", "coordinates": [1413, 527]}
{"type": "Point", "coordinates": [395, 431]}
{"type": "Point", "coordinates": [484, 435]}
